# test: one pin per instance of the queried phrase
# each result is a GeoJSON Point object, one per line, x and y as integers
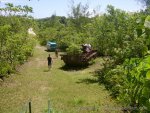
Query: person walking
{"type": "Point", "coordinates": [56, 53]}
{"type": "Point", "coordinates": [49, 59]}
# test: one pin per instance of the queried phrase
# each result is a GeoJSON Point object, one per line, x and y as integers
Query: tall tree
{"type": "Point", "coordinates": [145, 2]}
{"type": "Point", "coordinates": [79, 16]}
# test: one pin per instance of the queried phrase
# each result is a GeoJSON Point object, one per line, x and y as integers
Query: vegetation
{"type": "Point", "coordinates": [16, 44]}
{"type": "Point", "coordinates": [69, 91]}
{"type": "Point", "coordinates": [145, 2]}
{"type": "Point", "coordinates": [74, 50]}
{"type": "Point", "coordinates": [121, 38]}
{"type": "Point", "coordinates": [66, 31]}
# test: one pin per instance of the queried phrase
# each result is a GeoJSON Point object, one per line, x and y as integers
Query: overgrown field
{"type": "Point", "coordinates": [69, 91]}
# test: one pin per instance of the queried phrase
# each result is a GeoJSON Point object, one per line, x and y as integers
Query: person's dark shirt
{"type": "Point", "coordinates": [49, 60]}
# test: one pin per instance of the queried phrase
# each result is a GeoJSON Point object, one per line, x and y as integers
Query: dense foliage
{"type": "Point", "coordinates": [122, 38]}
{"type": "Point", "coordinates": [73, 49]}
{"type": "Point", "coordinates": [125, 38]}
{"type": "Point", "coordinates": [16, 45]}
{"type": "Point", "coordinates": [66, 31]}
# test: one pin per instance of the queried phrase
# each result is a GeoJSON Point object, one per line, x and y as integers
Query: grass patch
{"type": "Point", "coordinates": [70, 91]}
{"type": "Point", "coordinates": [77, 101]}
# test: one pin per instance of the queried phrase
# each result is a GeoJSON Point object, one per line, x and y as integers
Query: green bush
{"type": "Point", "coordinates": [16, 44]}
{"type": "Point", "coordinates": [73, 49]}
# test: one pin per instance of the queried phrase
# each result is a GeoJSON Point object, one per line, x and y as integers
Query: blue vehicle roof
{"type": "Point", "coordinates": [52, 43]}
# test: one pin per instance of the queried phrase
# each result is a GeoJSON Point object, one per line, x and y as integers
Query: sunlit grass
{"type": "Point", "coordinates": [69, 91]}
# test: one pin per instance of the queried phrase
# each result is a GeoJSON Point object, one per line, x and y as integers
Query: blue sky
{"type": "Point", "coordinates": [45, 8]}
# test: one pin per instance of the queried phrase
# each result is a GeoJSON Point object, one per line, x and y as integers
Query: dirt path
{"type": "Point", "coordinates": [30, 84]}
{"type": "Point", "coordinates": [69, 91]}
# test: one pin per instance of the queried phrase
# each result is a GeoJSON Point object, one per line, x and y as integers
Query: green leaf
{"type": "Point", "coordinates": [148, 75]}
{"type": "Point", "coordinates": [147, 84]}
{"type": "Point", "coordinates": [147, 22]}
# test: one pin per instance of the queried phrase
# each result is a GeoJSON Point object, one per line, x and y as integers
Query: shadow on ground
{"type": "Point", "coordinates": [93, 80]}
{"type": "Point", "coordinates": [46, 70]}
{"type": "Point", "coordinates": [49, 50]}
{"type": "Point", "coordinates": [73, 68]}
{"type": "Point", "coordinates": [88, 81]}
